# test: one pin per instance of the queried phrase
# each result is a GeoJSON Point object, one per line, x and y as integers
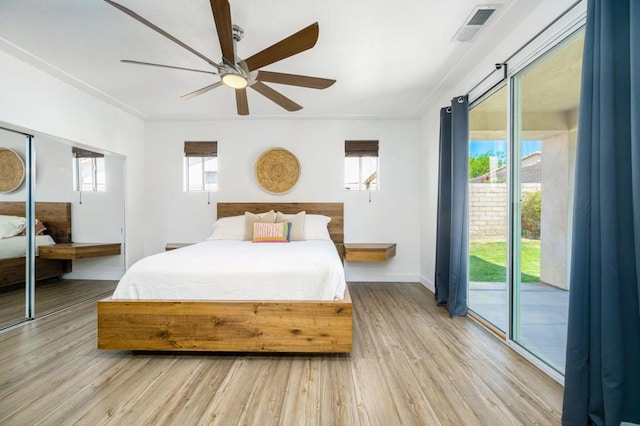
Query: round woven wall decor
{"type": "Point", "coordinates": [277, 170]}
{"type": "Point", "coordinates": [11, 170]}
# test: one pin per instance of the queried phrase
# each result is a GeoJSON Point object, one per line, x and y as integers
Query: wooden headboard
{"type": "Point", "coordinates": [55, 216]}
{"type": "Point", "coordinates": [334, 210]}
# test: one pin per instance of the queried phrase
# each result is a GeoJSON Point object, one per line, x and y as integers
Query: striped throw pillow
{"type": "Point", "coordinates": [271, 232]}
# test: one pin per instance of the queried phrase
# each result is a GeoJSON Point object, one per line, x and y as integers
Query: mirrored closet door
{"type": "Point", "coordinates": [77, 231]}
{"type": "Point", "coordinates": [79, 197]}
{"type": "Point", "coordinates": [13, 224]}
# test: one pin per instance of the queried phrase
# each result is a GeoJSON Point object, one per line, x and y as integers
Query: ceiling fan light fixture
{"type": "Point", "coordinates": [235, 81]}
{"type": "Point", "coordinates": [238, 73]}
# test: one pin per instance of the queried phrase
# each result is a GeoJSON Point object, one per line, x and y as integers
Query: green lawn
{"type": "Point", "coordinates": [487, 261]}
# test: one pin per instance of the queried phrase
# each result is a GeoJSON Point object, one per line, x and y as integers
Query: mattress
{"type": "Point", "coordinates": [17, 246]}
{"type": "Point", "coordinates": [238, 270]}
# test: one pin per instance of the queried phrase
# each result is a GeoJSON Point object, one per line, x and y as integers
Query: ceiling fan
{"type": "Point", "coordinates": [238, 73]}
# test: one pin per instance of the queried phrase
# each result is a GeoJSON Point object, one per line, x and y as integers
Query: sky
{"type": "Point", "coordinates": [482, 147]}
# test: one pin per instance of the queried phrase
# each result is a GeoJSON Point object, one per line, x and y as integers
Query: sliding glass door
{"type": "Point", "coordinates": [547, 96]}
{"type": "Point", "coordinates": [522, 154]}
{"type": "Point", "coordinates": [488, 213]}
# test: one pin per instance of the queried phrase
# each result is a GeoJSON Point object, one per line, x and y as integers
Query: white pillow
{"type": "Point", "coordinates": [228, 228]}
{"type": "Point", "coordinates": [315, 227]}
{"type": "Point", "coordinates": [10, 226]}
{"type": "Point", "coordinates": [297, 224]}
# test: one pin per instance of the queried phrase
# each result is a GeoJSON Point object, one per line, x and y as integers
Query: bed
{"type": "Point", "coordinates": [57, 219]}
{"type": "Point", "coordinates": [237, 324]}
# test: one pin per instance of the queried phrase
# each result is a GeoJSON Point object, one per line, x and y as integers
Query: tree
{"type": "Point", "coordinates": [480, 164]}
{"type": "Point", "coordinates": [531, 211]}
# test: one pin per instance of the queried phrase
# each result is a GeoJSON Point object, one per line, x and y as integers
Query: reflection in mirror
{"type": "Point", "coordinates": [91, 184]}
{"type": "Point", "coordinates": [13, 244]}
{"type": "Point", "coordinates": [81, 224]}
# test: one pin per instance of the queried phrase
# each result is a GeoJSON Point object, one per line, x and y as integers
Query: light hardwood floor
{"type": "Point", "coordinates": [51, 296]}
{"type": "Point", "coordinates": [411, 365]}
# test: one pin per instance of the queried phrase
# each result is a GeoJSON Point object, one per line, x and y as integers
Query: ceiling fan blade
{"type": "Point", "coordinates": [128, 61]}
{"type": "Point", "coordinates": [200, 91]}
{"type": "Point", "coordinates": [275, 96]}
{"type": "Point", "coordinates": [241, 102]}
{"type": "Point", "coordinates": [292, 45]}
{"type": "Point", "coordinates": [294, 80]}
{"type": "Point", "coordinates": [161, 31]}
{"type": "Point", "coordinates": [222, 17]}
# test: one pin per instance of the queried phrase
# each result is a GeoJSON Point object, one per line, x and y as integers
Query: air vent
{"type": "Point", "coordinates": [481, 16]}
{"type": "Point", "coordinates": [474, 22]}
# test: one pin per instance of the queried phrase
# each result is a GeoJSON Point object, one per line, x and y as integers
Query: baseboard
{"type": "Point", "coordinates": [395, 278]}
{"type": "Point", "coordinates": [88, 275]}
{"type": "Point", "coordinates": [427, 283]}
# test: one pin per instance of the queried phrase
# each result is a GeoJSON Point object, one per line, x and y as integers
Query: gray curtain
{"type": "Point", "coordinates": [443, 231]}
{"type": "Point", "coordinates": [602, 378]}
{"type": "Point", "coordinates": [452, 238]}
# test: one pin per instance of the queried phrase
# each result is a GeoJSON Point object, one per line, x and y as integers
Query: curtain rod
{"type": "Point", "coordinates": [499, 66]}
{"type": "Point", "coordinates": [503, 64]}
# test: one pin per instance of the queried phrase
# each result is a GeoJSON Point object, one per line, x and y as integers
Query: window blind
{"type": "Point", "coordinates": [201, 149]}
{"type": "Point", "coordinates": [360, 148]}
{"type": "Point", "coordinates": [85, 153]}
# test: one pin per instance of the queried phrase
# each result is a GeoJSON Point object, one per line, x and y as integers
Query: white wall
{"type": "Point", "coordinates": [392, 215]}
{"type": "Point", "coordinates": [462, 78]}
{"type": "Point", "coordinates": [429, 155]}
{"type": "Point", "coordinates": [42, 105]}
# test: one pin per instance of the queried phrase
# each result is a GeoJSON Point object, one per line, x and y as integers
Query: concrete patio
{"type": "Point", "coordinates": [543, 316]}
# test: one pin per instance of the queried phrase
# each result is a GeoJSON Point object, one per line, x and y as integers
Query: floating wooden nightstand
{"type": "Point", "coordinates": [173, 246]}
{"type": "Point", "coordinates": [71, 251]}
{"type": "Point", "coordinates": [369, 252]}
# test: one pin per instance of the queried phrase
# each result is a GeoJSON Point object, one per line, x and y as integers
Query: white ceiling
{"type": "Point", "coordinates": [388, 57]}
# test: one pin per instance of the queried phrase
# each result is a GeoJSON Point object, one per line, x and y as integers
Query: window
{"type": "Point", "coordinates": [361, 165]}
{"type": "Point", "coordinates": [88, 170]}
{"type": "Point", "coordinates": [201, 166]}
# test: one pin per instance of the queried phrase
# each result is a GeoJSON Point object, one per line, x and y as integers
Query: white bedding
{"type": "Point", "coordinates": [238, 270]}
{"type": "Point", "coordinates": [17, 246]}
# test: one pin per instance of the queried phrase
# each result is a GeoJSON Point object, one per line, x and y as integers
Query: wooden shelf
{"type": "Point", "coordinates": [369, 252]}
{"type": "Point", "coordinates": [173, 246]}
{"type": "Point", "coordinates": [71, 251]}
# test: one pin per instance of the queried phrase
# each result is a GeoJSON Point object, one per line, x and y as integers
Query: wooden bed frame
{"type": "Point", "coordinates": [57, 218]}
{"type": "Point", "coordinates": [234, 326]}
